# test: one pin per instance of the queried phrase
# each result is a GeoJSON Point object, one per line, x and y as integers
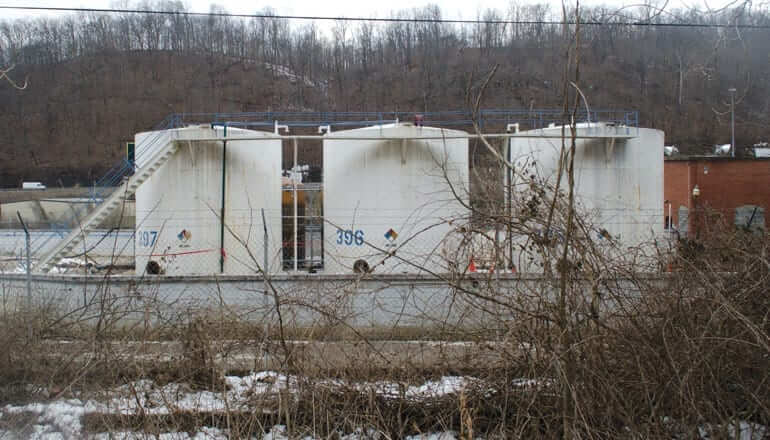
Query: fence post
{"type": "Point", "coordinates": [29, 273]}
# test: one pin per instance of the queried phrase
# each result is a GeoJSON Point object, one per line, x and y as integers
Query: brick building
{"type": "Point", "coordinates": [712, 191]}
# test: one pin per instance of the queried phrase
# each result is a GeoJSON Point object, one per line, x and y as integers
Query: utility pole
{"type": "Point", "coordinates": [732, 120]}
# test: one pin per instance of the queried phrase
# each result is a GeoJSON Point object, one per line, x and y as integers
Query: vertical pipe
{"type": "Point", "coordinates": [295, 168]}
{"type": "Point", "coordinates": [509, 202]}
{"type": "Point", "coordinates": [265, 268]}
{"type": "Point", "coordinates": [222, 207]}
{"type": "Point", "coordinates": [265, 271]}
{"type": "Point", "coordinates": [29, 261]}
{"type": "Point", "coordinates": [29, 274]}
{"type": "Point", "coordinates": [732, 121]}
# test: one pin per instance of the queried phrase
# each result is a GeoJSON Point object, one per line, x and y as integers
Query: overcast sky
{"type": "Point", "coordinates": [466, 9]}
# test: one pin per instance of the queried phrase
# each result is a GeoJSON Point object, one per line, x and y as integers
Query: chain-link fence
{"type": "Point", "coordinates": [113, 248]}
{"type": "Point", "coordinates": [378, 242]}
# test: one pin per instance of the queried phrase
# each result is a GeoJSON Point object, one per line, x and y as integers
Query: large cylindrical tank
{"type": "Point", "coordinates": [179, 223]}
{"type": "Point", "coordinates": [392, 200]}
{"type": "Point", "coordinates": [618, 179]}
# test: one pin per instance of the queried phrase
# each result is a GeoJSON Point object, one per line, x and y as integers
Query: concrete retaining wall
{"type": "Point", "coordinates": [397, 301]}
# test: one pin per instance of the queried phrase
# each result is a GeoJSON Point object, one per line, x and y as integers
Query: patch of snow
{"type": "Point", "coordinates": [72, 262]}
{"type": "Point", "coordinates": [20, 268]}
{"type": "Point", "coordinates": [430, 389]}
{"type": "Point", "coordinates": [62, 418]}
{"type": "Point", "coordinates": [360, 434]}
{"type": "Point", "coordinates": [294, 78]}
{"type": "Point", "coordinates": [260, 382]}
{"type": "Point", "coordinates": [210, 434]}
{"type": "Point", "coordinates": [743, 431]}
{"type": "Point", "coordinates": [204, 433]}
{"type": "Point", "coordinates": [446, 385]}
{"type": "Point", "coordinates": [447, 435]}
{"type": "Point", "coordinates": [277, 432]}
{"type": "Point", "coordinates": [57, 419]}
{"type": "Point", "coordinates": [531, 383]}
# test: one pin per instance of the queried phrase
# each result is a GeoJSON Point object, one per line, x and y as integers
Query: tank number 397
{"type": "Point", "coordinates": [147, 238]}
{"type": "Point", "coordinates": [349, 237]}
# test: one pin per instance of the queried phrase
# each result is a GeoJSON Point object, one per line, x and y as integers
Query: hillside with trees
{"type": "Point", "coordinates": [94, 80]}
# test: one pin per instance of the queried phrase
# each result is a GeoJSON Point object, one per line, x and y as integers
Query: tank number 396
{"type": "Point", "coordinates": [349, 237]}
{"type": "Point", "coordinates": [147, 238]}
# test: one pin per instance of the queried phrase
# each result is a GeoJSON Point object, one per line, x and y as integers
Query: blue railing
{"type": "Point", "coordinates": [115, 175]}
{"type": "Point", "coordinates": [528, 119]}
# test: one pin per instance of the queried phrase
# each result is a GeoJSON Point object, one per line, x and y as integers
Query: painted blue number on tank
{"type": "Point", "coordinates": [349, 237]}
{"type": "Point", "coordinates": [147, 238]}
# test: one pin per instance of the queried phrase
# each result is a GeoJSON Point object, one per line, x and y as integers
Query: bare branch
{"type": "Point", "coordinates": [4, 74]}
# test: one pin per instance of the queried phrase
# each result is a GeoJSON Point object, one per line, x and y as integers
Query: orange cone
{"type": "Point", "coordinates": [472, 266]}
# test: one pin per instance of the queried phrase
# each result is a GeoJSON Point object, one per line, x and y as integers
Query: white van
{"type": "Point", "coordinates": [32, 185]}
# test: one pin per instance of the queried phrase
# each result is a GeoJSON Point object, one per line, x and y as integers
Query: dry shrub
{"type": "Point", "coordinates": [656, 356]}
{"type": "Point", "coordinates": [198, 355]}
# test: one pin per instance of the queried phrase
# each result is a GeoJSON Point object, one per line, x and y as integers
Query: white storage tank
{"type": "Point", "coordinates": [392, 200]}
{"type": "Point", "coordinates": [618, 180]}
{"type": "Point", "coordinates": [178, 222]}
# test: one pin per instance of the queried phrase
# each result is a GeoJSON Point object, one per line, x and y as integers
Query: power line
{"type": "Point", "coordinates": [389, 20]}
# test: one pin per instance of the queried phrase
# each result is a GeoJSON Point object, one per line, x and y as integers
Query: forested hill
{"type": "Point", "coordinates": [95, 80]}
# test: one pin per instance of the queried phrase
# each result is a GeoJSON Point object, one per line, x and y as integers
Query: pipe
{"type": "Point", "coordinates": [540, 134]}
{"type": "Point", "coordinates": [509, 201]}
{"type": "Point", "coordinates": [29, 262]}
{"type": "Point", "coordinates": [277, 128]}
{"type": "Point", "coordinates": [294, 186]}
{"type": "Point", "coordinates": [222, 209]}
{"type": "Point", "coordinates": [732, 121]}
{"type": "Point", "coordinates": [265, 268]}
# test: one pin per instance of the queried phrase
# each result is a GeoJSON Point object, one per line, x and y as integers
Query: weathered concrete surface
{"type": "Point", "coordinates": [399, 301]}
{"type": "Point", "coordinates": [19, 195]}
{"type": "Point", "coordinates": [63, 212]}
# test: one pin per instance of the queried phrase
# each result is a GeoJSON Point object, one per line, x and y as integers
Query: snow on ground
{"type": "Point", "coordinates": [152, 398]}
{"type": "Point", "coordinates": [744, 430]}
{"type": "Point", "coordinates": [278, 432]}
{"type": "Point", "coordinates": [61, 418]}
{"type": "Point", "coordinates": [433, 436]}
{"type": "Point", "coordinates": [56, 419]}
{"type": "Point", "coordinates": [204, 433]}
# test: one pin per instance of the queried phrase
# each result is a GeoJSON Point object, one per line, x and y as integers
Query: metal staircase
{"type": "Point", "coordinates": [159, 149]}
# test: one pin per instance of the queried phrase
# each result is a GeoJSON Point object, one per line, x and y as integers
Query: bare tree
{"type": "Point", "coordinates": [4, 75]}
